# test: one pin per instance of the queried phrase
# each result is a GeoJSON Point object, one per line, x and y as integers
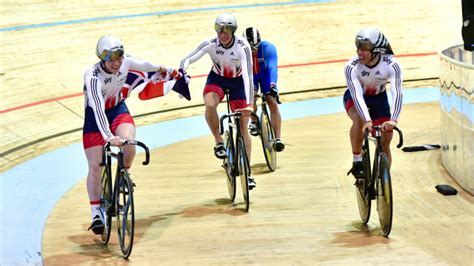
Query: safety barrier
{"type": "Point", "coordinates": [457, 114]}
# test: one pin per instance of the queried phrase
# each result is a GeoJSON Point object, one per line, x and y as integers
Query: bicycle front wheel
{"type": "Point", "coordinates": [384, 195]}
{"type": "Point", "coordinates": [229, 165]}
{"type": "Point", "coordinates": [106, 202]}
{"type": "Point", "coordinates": [125, 213]}
{"type": "Point", "coordinates": [362, 189]}
{"type": "Point", "coordinates": [267, 135]}
{"type": "Point", "coordinates": [244, 170]}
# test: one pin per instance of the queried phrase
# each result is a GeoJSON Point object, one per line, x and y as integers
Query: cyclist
{"type": "Point", "coordinates": [265, 73]}
{"type": "Point", "coordinates": [365, 99]}
{"type": "Point", "coordinates": [107, 118]}
{"type": "Point", "coordinates": [231, 69]}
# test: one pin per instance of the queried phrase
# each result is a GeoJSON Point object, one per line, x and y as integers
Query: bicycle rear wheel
{"type": "Point", "coordinates": [125, 213]}
{"type": "Point", "coordinates": [384, 195]}
{"type": "Point", "coordinates": [267, 135]}
{"type": "Point", "coordinates": [363, 188]}
{"type": "Point", "coordinates": [244, 171]}
{"type": "Point", "coordinates": [106, 202]}
{"type": "Point", "coordinates": [229, 165]}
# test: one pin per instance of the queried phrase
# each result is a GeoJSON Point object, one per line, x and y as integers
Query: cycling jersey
{"type": "Point", "coordinates": [103, 90]}
{"type": "Point", "coordinates": [363, 80]}
{"type": "Point", "coordinates": [265, 67]}
{"type": "Point", "coordinates": [232, 62]}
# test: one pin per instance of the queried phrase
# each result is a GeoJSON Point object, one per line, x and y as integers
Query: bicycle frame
{"type": "Point", "coordinates": [236, 162]}
{"type": "Point", "coordinates": [376, 184]}
{"type": "Point", "coordinates": [107, 154]}
{"type": "Point", "coordinates": [378, 150]}
{"type": "Point", "coordinates": [234, 124]}
{"type": "Point", "coordinates": [118, 200]}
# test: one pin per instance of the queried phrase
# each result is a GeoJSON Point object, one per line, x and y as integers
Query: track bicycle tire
{"type": "Point", "coordinates": [244, 171]}
{"type": "Point", "coordinates": [125, 213]}
{"type": "Point", "coordinates": [267, 136]}
{"type": "Point", "coordinates": [228, 165]}
{"type": "Point", "coordinates": [363, 190]}
{"type": "Point", "coordinates": [384, 195]}
{"type": "Point", "coordinates": [106, 201]}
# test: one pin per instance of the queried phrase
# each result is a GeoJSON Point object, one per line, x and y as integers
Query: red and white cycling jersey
{"type": "Point", "coordinates": [103, 90]}
{"type": "Point", "coordinates": [363, 80]}
{"type": "Point", "coordinates": [229, 62]}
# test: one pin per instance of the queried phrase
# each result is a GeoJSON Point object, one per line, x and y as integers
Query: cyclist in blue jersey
{"type": "Point", "coordinates": [265, 74]}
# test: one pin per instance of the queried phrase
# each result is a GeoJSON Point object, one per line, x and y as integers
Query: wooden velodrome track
{"type": "Point", "coordinates": [305, 212]}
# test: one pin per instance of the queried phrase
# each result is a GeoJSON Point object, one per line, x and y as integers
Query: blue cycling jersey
{"type": "Point", "coordinates": [265, 67]}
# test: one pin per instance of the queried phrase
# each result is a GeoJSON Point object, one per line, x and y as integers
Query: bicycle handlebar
{"type": "Point", "coordinates": [399, 131]}
{"type": "Point", "coordinates": [400, 137]}
{"type": "Point", "coordinates": [106, 148]}
{"type": "Point", "coordinates": [238, 113]}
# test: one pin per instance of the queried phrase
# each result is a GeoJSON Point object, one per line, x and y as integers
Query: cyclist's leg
{"type": "Point", "coordinates": [355, 133]}
{"type": "Point", "coordinates": [244, 120]}
{"type": "Point", "coordinates": [386, 139]}
{"type": "Point", "coordinates": [92, 142]}
{"type": "Point", "coordinates": [94, 158]}
{"type": "Point", "coordinates": [380, 112]}
{"type": "Point", "coordinates": [271, 93]}
{"type": "Point", "coordinates": [213, 95]}
{"type": "Point", "coordinates": [274, 115]}
{"type": "Point", "coordinates": [211, 101]}
{"type": "Point", "coordinates": [356, 136]}
{"type": "Point", "coordinates": [126, 131]}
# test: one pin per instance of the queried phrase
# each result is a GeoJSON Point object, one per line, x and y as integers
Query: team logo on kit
{"type": "Point", "coordinates": [387, 60]}
{"type": "Point", "coordinates": [107, 80]}
{"type": "Point", "coordinates": [365, 73]}
{"type": "Point", "coordinates": [95, 72]}
{"type": "Point", "coordinates": [220, 52]}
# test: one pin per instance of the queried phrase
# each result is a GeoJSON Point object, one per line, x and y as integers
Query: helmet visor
{"type": "Point", "coordinates": [111, 55]}
{"type": "Point", "coordinates": [364, 44]}
{"type": "Point", "coordinates": [224, 28]}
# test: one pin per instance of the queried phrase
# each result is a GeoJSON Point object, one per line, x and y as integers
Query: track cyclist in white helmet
{"type": "Point", "coordinates": [107, 118]}
{"type": "Point", "coordinates": [365, 99]}
{"type": "Point", "coordinates": [265, 74]}
{"type": "Point", "coordinates": [231, 69]}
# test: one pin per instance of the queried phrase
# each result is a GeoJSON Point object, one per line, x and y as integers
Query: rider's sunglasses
{"type": "Point", "coordinates": [364, 44]}
{"type": "Point", "coordinates": [224, 28]}
{"type": "Point", "coordinates": [111, 55]}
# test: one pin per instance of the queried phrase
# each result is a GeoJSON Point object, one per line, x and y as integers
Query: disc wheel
{"type": "Point", "coordinates": [228, 165]}
{"type": "Point", "coordinates": [362, 189]}
{"type": "Point", "coordinates": [106, 203]}
{"type": "Point", "coordinates": [244, 171]}
{"type": "Point", "coordinates": [384, 196]}
{"type": "Point", "coordinates": [267, 136]}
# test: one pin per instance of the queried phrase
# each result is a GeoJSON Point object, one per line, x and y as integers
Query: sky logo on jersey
{"type": "Point", "coordinates": [387, 60]}
{"type": "Point", "coordinates": [365, 73]}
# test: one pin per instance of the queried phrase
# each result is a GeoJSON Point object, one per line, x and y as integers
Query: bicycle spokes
{"type": "Point", "coordinates": [125, 214]}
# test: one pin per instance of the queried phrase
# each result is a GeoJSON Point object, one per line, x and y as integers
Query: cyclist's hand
{"type": "Point", "coordinates": [174, 73]}
{"type": "Point", "coordinates": [367, 126]}
{"type": "Point", "coordinates": [115, 141]}
{"type": "Point", "coordinates": [388, 125]}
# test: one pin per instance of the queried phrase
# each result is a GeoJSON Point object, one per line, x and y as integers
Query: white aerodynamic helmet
{"type": "Point", "coordinates": [109, 48]}
{"type": "Point", "coordinates": [225, 22]}
{"type": "Point", "coordinates": [373, 40]}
